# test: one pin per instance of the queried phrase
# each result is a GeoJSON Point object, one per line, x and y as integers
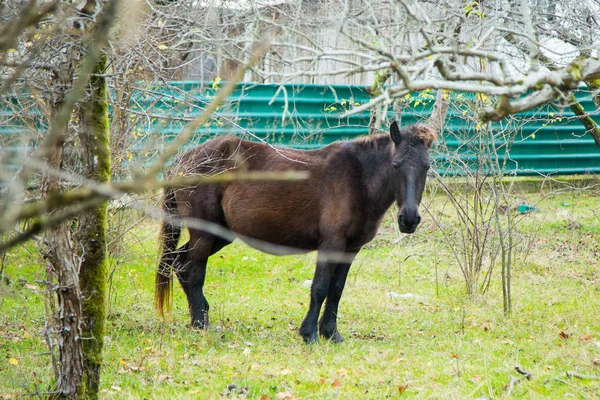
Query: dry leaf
{"type": "Point", "coordinates": [596, 362]}
{"type": "Point", "coordinates": [265, 397]}
{"type": "Point", "coordinates": [31, 287]}
{"type": "Point", "coordinates": [285, 372]}
{"type": "Point", "coordinates": [563, 335]}
{"type": "Point", "coordinates": [117, 388]}
{"type": "Point", "coordinates": [284, 396]}
{"type": "Point", "coordinates": [123, 362]}
{"type": "Point", "coordinates": [342, 371]}
{"type": "Point", "coordinates": [402, 388]}
{"type": "Point", "coordinates": [585, 338]}
{"type": "Point", "coordinates": [335, 383]}
{"type": "Point", "coordinates": [14, 361]}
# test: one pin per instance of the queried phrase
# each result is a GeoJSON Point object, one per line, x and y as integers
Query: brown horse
{"type": "Point", "coordinates": [336, 210]}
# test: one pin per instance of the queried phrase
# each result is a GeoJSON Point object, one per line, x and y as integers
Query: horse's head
{"type": "Point", "coordinates": [410, 163]}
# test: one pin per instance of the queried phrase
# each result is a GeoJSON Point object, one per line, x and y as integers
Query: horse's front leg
{"type": "Point", "coordinates": [326, 265]}
{"type": "Point", "coordinates": [328, 323]}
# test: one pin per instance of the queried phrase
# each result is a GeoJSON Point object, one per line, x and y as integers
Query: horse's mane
{"type": "Point", "coordinates": [373, 142]}
{"type": "Point", "coordinates": [420, 132]}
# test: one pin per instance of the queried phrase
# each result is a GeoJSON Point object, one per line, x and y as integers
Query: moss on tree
{"type": "Point", "coordinates": [93, 226]}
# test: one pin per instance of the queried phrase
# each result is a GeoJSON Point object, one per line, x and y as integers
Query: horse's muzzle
{"type": "Point", "coordinates": [408, 224]}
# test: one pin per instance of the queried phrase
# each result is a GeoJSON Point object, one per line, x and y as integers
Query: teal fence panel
{"type": "Point", "coordinates": [545, 140]}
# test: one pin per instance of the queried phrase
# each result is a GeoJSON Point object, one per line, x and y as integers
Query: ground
{"type": "Point", "coordinates": [440, 343]}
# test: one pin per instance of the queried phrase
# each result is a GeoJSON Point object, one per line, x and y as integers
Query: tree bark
{"type": "Point", "coordinates": [93, 225]}
{"type": "Point", "coordinates": [63, 266]}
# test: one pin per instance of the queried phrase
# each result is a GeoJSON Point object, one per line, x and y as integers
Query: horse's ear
{"type": "Point", "coordinates": [395, 133]}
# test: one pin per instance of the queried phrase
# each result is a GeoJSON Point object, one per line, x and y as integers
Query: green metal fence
{"type": "Point", "coordinates": [546, 140]}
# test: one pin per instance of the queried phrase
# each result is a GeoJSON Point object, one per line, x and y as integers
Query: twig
{"type": "Point", "coordinates": [527, 375]}
{"type": "Point", "coordinates": [511, 385]}
{"type": "Point", "coordinates": [96, 190]}
{"type": "Point", "coordinates": [557, 380]}
{"type": "Point", "coordinates": [574, 374]}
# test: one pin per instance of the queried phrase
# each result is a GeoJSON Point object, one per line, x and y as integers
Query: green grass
{"type": "Point", "coordinates": [441, 345]}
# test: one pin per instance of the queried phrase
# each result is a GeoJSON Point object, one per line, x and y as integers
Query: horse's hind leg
{"type": "Point", "coordinates": [328, 323]}
{"type": "Point", "coordinates": [191, 276]}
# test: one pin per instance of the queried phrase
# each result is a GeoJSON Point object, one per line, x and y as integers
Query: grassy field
{"type": "Point", "coordinates": [438, 344]}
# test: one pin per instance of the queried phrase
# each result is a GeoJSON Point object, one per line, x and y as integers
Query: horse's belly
{"type": "Point", "coordinates": [274, 238]}
{"type": "Point", "coordinates": [271, 224]}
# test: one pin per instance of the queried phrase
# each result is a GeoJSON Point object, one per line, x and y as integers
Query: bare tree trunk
{"type": "Point", "coordinates": [93, 225]}
{"type": "Point", "coordinates": [81, 317]}
{"type": "Point", "coordinates": [63, 266]}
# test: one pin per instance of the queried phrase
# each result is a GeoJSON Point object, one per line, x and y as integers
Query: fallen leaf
{"type": "Point", "coordinates": [117, 388]}
{"type": "Point", "coordinates": [14, 361]}
{"type": "Point", "coordinates": [476, 378]}
{"type": "Point", "coordinates": [585, 338]}
{"type": "Point", "coordinates": [285, 372]}
{"type": "Point", "coordinates": [323, 380]}
{"type": "Point", "coordinates": [123, 362]}
{"type": "Point", "coordinates": [402, 388]}
{"type": "Point", "coordinates": [265, 397]}
{"type": "Point", "coordinates": [342, 371]}
{"type": "Point", "coordinates": [284, 395]}
{"type": "Point", "coordinates": [31, 287]}
{"type": "Point", "coordinates": [335, 383]}
{"type": "Point", "coordinates": [596, 362]}
{"type": "Point", "coordinates": [164, 378]}
{"type": "Point", "coordinates": [563, 335]}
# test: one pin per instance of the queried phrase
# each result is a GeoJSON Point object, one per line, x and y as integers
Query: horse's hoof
{"type": "Point", "coordinates": [310, 338]}
{"type": "Point", "coordinates": [200, 325]}
{"type": "Point", "coordinates": [337, 338]}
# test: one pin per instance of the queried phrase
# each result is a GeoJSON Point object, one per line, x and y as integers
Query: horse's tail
{"type": "Point", "coordinates": [169, 237]}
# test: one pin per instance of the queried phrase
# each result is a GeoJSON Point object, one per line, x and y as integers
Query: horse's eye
{"type": "Point", "coordinates": [396, 163]}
